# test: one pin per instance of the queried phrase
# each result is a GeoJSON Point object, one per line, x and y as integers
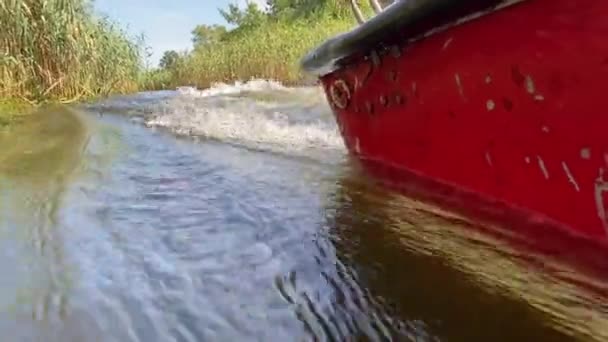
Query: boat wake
{"type": "Point", "coordinates": [262, 115]}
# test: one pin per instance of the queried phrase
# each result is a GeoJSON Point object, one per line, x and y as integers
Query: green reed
{"type": "Point", "coordinates": [271, 50]}
{"type": "Point", "coordinates": [57, 49]}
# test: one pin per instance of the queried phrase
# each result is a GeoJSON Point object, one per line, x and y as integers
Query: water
{"type": "Point", "coordinates": [235, 214]}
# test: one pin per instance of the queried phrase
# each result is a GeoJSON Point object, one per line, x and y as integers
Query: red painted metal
{"type": "Point", "coordinates": [503, 114]}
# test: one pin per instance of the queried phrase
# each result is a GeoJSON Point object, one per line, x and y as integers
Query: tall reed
{"type": "Point", "coordinates": [271, 50]}
{"type": "Point", "coordinates": [58, 49]}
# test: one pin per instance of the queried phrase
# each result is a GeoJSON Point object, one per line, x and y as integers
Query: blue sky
{"type": "Point", "coordinates": [165, 23]}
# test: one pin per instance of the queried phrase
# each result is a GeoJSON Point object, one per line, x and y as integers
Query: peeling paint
{"type": "Point", "coordinates": [530, 87]}
{"type": "Point", "coordinates": [488, 79]}
{"type": "Point", "coordinates": [542, 166]}
{"type": "Point", "coordinates": [586, 153]}
{"type": "Point", "coordinates": [399, 99]}
{"type": "Point", "coordinates": [570, 177]}
{"type": "Point", "coordinates": [489, 159]}
{"type": "Point", "coordinates": [447, 43]}
{"type": "Point", "coordinates": [539, 98]}
{"type": "Point", "coordinates": [545, 129]}
{"type": "Point", "coordinates": [527, 160]}
{"type": "Point", "coordinates": [383, 100]}
{"type": "Point", "coordinates": [357, 146]}
{"type": "Point", "coordinates": [600, 187]}
{"type": "Point", "coordinates": [459, 85]}
{"type": "Point", "coordinates": [490, 105]}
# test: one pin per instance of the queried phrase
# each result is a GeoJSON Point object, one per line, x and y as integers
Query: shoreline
{"type": "Point", "coordinates": [11, 110]}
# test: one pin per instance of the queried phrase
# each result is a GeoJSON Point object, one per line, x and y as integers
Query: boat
{"type": "Point", "coordinates": [492, 108]}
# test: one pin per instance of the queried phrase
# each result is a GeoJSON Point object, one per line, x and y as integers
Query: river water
{"type": "Point", "coordinates": [234, 214]}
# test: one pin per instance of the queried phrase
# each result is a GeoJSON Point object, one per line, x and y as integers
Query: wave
{"type": "Point", "coordinates": [259, 114]}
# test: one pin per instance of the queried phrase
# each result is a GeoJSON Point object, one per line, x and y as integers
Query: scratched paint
{"type": "Point", "coordinates": [600, 188]}
{"type": "Point", "coordinates": [571, 178]}
{"type": "Point", "coordinates": [382, 100]}
{"type": "Point", "coordinates": [586, 153]}
{"type": "Point", "coordinates": [489, 159]}
{"type": "Point", "coordinates": [447, 43]}
{"type": "Point", "coordinates": [490, 105]}
{"type": "Point", "coordinates": [459, 85]}
{"type": "Point", "coordinates": [530, 86]}
{"type": "Point", "coordinates": [542, 166]}
{"type": "Point", "coordinates": [528, 92]}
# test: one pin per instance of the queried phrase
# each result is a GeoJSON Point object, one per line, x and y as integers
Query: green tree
{"type": "Point", "coordinates": [206, 34]}
{"type": "Point", "coordinates": [169, 59]}
{"type": "Point", "coordinates": [250, 16]}
{"type": "Point", "coordinates": [281, 9]}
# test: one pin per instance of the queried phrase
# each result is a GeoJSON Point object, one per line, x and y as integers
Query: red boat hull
{"type": "Point", "coordinates": [501, 115]}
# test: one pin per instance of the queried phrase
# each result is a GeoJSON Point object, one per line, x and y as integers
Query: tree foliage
{"type": "Point", "coordinates": [207, 34]}
{"type": "Point", "coordinates": [291, 9]}
{"type": "Point", "coordinates": [169, 59]}
{"type": "Point", "coordinates": [248, 17]}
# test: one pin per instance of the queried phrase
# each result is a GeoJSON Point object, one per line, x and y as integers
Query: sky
{"type": "Point", "coordinates": [166, 24]}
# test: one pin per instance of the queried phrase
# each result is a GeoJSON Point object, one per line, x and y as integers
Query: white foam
{"type": "Point", "coordinates": [218, 89]}
{"type": "Point", "coordinates": [266, 115]}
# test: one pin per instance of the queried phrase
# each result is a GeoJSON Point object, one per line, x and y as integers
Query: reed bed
{"type": "Point", "coordinates": [58, 49]}
{"type": "Point", "coordinates": [270, 51]}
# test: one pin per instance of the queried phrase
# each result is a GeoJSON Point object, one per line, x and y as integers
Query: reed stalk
{"type": "Point", "coordinates": [270, 50]}
{"type": "Point", "coordinates": [58, 50]}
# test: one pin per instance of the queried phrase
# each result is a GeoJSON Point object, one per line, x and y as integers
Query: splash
{"type": "Point", "coordinates": [218, 89]}
{"type": "Point", "coordinates": [259, 114]}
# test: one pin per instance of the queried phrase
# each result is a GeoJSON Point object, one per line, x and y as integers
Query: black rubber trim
{"type": "Point", "coordinates": [400, 22]}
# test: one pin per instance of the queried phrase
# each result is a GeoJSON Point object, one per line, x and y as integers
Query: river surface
{"type": "Point", "coordinates": [234, 214]}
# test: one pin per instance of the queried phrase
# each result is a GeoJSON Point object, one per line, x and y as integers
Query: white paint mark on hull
{"type": "Point", "coordinates": [542, 166]}
{"type": "Point", "coordinates": [570, 177]}
{"type": "Point", "coordinates": [490, 105]}
{"type": "Point", "coordinates": [447, 43]}
{"type": "Point", "coordinates": [586, 153]}
{"type": "Point", "coordinates": [600, 187]}
{"type": "Point", "coordinates": [530, 87]}
{"type": "Point", "coordinates": [489, 159]}
{"type": "Point", "coordinates": [459, 85]}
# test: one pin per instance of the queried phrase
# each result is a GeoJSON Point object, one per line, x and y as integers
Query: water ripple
{"type": "Point", "coordinates": [166, 239]}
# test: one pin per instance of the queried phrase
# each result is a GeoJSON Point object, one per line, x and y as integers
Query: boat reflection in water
{"type": "Point", "coordinates": [452, 280]}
